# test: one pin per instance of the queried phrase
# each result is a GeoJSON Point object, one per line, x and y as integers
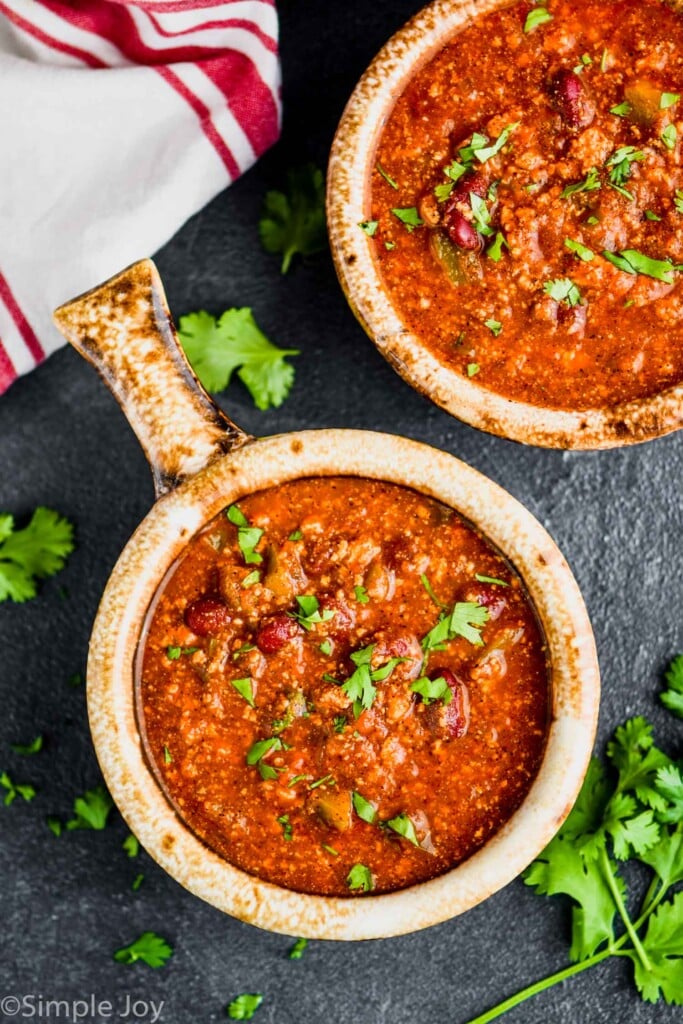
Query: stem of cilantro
{"type": "Point", "coordinates": [540, 986]}
{"type": "Point", "coordinates": [623, 913]}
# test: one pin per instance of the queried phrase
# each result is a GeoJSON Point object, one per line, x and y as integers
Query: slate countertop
{"type": "Point", "coordinates": [66, 904]}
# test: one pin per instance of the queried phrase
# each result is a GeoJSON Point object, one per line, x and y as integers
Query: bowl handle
{"type": "Point", "coordinates": [123, 327]}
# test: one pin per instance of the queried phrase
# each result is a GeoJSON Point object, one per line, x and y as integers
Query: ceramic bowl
{"type": "Point", "coordinates": [348, 190]}
{"type": "Point", "coordinates": [202, 462]}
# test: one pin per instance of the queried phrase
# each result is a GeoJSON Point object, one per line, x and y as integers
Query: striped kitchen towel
{"type": "Point", "coordinates": [119, 119]}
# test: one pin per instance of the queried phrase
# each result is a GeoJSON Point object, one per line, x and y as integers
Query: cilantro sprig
{"type": "Point", "coordinates": [466, 619]}
{"type": "Point", "coordinates": [630, 809]}
{"type": "Point", "coordinates": [293, 223]}
{"type": "Point", "coordinates": [360, 686]}
{"type": "Point", "coordinates": [309, 613]}
{"type": "Point", "coordinates": [149, 947]}
{"type": "Point", "coordinates": [33, 553]}
{"type": "Point", "coordinates": [216, 348]}
{"type": "Point", "coordinates": [247, 536]}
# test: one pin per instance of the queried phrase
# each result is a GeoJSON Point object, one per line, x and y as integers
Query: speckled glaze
{"type": "Point", "coordinates": [123, 327]}
{"type": "Point", "coordinates": [348, 191]}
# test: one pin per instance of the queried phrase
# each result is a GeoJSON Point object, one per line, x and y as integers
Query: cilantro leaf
{"type": "Point", "coordinates": [666, 856]}
{"type": "Point", "coordinates": [669, 783]}
{"type": "Point", "coordinates": [15, 789]}
{"type": "Point", "coordinates": [672, 697]}
{"type": "Point", "coordinates": [294, 223]}
{"type": "Point", "coordinates": [409, 217]}
{"type": "Point", "coordinates": [537, 16]}
{"type": "Point", "coordinates": [309, 614]}
{"type": "Point", "coordinates": [35, 552]}
{"type": "Point", "coordinates": [150, 948]}
{"type": "Point", "coordinates": [663, 944]}
{"type": "Point", "coordinates": [403, 826]}
{"type": "Point", "coordinates": [637, 760]}
{"type": "Point", "coordinates": [633, 262]}
{"type": "Point", "coordinates": [297, 950]}
{"type": "Point", "coordinates": [364, 809]}
{"type": "Point", "coordinates": [34, 747]}
{"type": "Point", "coordinates": [589, 184]}
{"type": "Point", "coordinates": [262, 748]}
{"type": "Point", "coordinates": [563, 289]}
{"type": "Point", "coordinates": [432, 689]}
{"type": "Point", "coordinates": [131, 845]}
{"type": "Point", "coordinates": [216, 348]}
{"type": "Point", "coordinates": [247, 536]}
{"type": "Point", "coordinates": [360, 877]}
{"type": "Point", "coordinates": [91, 810]}
{"type": "Point", "coordinates": [561, 868]}
{"type": "Point", "coordinates": [245, 688]}
{"type": "Point", "coordinates": [582, 251]}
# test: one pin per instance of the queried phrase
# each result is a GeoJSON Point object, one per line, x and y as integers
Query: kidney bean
{"type": "Point", "coordinates": [460, 231]}
{"type": "Point", "coordinates": [206, 616]}
{"type": "Point", "coordinates": [569, 94]}
{"type": "Point", "coordinates": [449, 721]}
{"type": "Point", "coordinates": [472, 182]}
{"type": "Point", "coordinates": [276, 632]}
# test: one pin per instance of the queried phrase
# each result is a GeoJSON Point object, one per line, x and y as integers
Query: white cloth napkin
{"type": "Point", "coordinates": [118, 121]}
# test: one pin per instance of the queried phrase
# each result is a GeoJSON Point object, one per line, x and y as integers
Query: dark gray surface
{"type": "Point", "coordinates": [66, 904]}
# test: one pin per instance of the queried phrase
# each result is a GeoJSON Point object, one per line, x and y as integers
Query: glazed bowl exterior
{"type": "Point", "coordinates": [348, 204]}
{"type": "Point", "coordinates": [202, 463]}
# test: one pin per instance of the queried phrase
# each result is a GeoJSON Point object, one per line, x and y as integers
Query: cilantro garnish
{"type": "Point", "coordinates": [297, 950]}
{"type": "Point", "coordinates": [404, 827]}
{"type": "Point", "coordinates": [651, 215]}
{"type": "Point", "coordinates": [328, 780]}
{"type": "Point", "coordinates": [563, 289]}
{"type": "Point", "coordinates": [633, 262]}
{"type": "Point", "coordinates": [589, 184]}
{"type": "Point", "coordinates": [479, 148]}
{"type": "Point", "coordinates": [428, 587]}
{"type": "Point", "coordinates": [325, 647]}
{"type": "Point", "coordinates": [287, 828]}
{"type": "Point", "coordinates": [215, 348]}
{"type": "Point", "coordinates": [465, 620]}
{"type": "Point", "coordinates": [389, 180]}
{"type": "Point", "coordinates": [244, 649]}
{"type": "Point", "coordinates": [360, 877]}
{"type": "Point", "coordinates": [364, 809]}
{"type": "Point", "coordinates": [309, 614]}
{"type": "Point", "coordinates": [91, 810]}
{"type": "Point", "coordinates": [482, 215]}
{"type": "Point", "coordinates": [150, 948]}
{"type": "Point", "coordinates": [369, 227]}
{"type": "Point", "coordinates": [495, 250]}
{"type": "Point", "coordinates": [131, 845]}
{"type": "Point", "coordinates": [490, 579]}
{"type": "Point", "coordinates": [672, 697]}
{"type": "Point", "coordinates": [247, 536]}
{"type": "Point", "coordinates": [670, 136]}
{"type": "Point", "coordinates": [620, 163]}
{"type": "Point", "coordinates": [359, 687]}
{"type": "Point", "coordinates": [54, 824]}
{"type": "Point", "coordinates": [622, 109]}
{"type": "Point", "coordinates": [260, 750]}
{"type": "Point", "coordinates": [581, 250]}
{"type": "Point", "coordinates": [361, 595]}
{"type": "Point", "coordinates": [330, 849]}
{"type": "Point", "coordinates": [174, 653]}
{"type": "Point", "coordinates": [35, 552]}
{"type": "Point", "coordinates": [432, 689]}
{"type": "Point", "coordinates": [15, 789]}
{"type": "Point", "coordinates": [137, 882]}
{"type": "Point", "coordinates": [495, 327]}
{"type": "Point", "coordinates": [34, 747]}
{"type": "Point", "coordinates": [678, 200]}
{"type": "Point", "coordinates": [294, 223]}
{"type": "Point", "coordinates": [245, 688]}
{"type": "Point", "coordinates": [630, 809]}
{"type": "Point", "coordinates": [339, 723]}
{"type": "Point", "coordinates": [537, 16]}
{"type": "Point", "coordinates": [409, 217]}
{"type": "Point", "coordinates": [473, 369]}
{"type": "Point", "coordinates": [668, 99]}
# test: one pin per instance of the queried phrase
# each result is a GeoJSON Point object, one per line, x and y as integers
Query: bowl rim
{"type": "Point", "coordinates": [163, 534]}
{"type": "Point", "coordinates": [348, 185]}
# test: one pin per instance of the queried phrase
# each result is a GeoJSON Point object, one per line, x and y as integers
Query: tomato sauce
{"type": "Point", "coordinates": [330, 697]}
{"type": "Point", "coordinates": [528, 162]}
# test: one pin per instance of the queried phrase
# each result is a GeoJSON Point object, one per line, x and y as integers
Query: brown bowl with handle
{"type": "Point", "coordinates": [201, 463]}
{"type": "Point", "coordinates": [352, 167]}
